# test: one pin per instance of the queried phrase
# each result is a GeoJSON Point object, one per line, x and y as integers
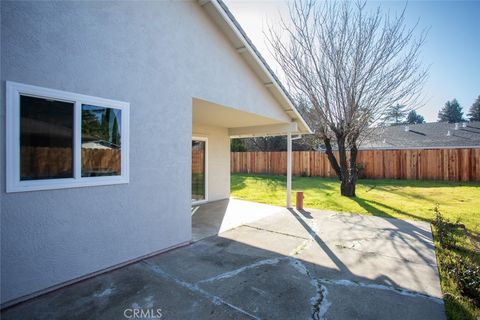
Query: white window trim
{"type": "Point", "coordinates": [205, 139]}
{"type": "Point", "coordinates": [14, 184]}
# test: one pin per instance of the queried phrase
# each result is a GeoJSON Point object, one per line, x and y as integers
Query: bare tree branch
{"type": "Point", "coordinates": [348, 65]}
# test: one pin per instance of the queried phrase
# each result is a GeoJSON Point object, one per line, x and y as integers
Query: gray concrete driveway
{"type": "Point", "coordinates": [289, 265]}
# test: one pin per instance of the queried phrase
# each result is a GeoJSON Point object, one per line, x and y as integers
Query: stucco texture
{"type": "Point", "coordinates": [155, 55]}
{"type": "Point", "coordinates": [218, 160]}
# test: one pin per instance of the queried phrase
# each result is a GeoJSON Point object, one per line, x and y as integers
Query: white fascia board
{"type": "Point", "coordinates": [267, 130]}
{"type": "Point", "coordinates": [259, 64]}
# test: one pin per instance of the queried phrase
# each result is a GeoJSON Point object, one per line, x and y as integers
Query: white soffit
{"type": "Point", "coordinates": [212, 114]}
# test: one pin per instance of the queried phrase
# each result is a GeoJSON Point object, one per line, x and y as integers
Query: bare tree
{"type": "Point", "coordinates": [349, 64]}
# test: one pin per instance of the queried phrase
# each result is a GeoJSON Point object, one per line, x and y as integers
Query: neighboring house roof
{"type": "Point", "coordinates": [222, 16]}
{"type": "Point", "coordinates": [95, 145]}
{"type": "Point", "coordinates": [425, 135]}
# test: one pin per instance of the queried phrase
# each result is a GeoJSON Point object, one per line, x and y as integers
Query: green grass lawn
{"type": "Point", "coordinates": [400, 199]}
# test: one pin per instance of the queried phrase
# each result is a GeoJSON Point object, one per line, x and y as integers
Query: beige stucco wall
{"type": "Point", "coordinates": [218, 160]}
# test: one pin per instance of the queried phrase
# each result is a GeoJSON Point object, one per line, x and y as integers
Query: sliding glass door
{"type": "Point", "coordinates": [199, 169]}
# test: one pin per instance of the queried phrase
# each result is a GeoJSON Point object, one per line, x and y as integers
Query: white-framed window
{"type": "Point", "coordinates": [57, 139]}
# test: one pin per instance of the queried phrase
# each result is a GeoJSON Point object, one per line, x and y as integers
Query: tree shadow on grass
{"type": "Point", "coordinates": [413, 194]}
{"type": "Point", "coordinates": [416, 183]}
{"type": "Point", "coordinates": [237, 184]}
{"type": "Point", "coordinates": [274, 182]}
{"type": "Point", "coordinates": [315, 183]}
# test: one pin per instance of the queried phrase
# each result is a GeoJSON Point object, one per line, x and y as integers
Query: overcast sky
{"type": "Point", "coordinates": [452, 49]}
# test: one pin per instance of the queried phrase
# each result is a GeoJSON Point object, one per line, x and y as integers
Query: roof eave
{"type": "Point", "coordinates": [257, 62]}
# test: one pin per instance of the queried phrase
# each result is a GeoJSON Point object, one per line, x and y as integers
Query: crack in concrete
{"type": "Point", "coordinates": [103, 294]}
{"type": "Point", "coordinates": [301, 247]}
{"type": "Point", "coordinates": [194, 288]}
{"type": "Point", "coordinates": [296, 251]}
{"type": "Point", "coordinates": [319, 302]}
{"type": "Point", "coordinates": [233, 273]}
{"type": "Point", "coordinates": [404, 292]}
{"type": "Point", "coordinates": [276, 232]}
{"type": "Point", "coordinates": [373, 253]}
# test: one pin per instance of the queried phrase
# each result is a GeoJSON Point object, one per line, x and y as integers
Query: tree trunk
{"type": "Point", "coordinates": [346, 169]}
{"type": "Point", "coordinates": [331, 158]}
{"type": "Point", "coordinates": [347, 188]}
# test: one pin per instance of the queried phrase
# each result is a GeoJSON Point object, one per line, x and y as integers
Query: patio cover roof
{"type": "Point", "coordinates": [240, 123]}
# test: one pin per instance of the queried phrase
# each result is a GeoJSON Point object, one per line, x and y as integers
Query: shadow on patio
{"type": "Point", "coordinates": [290, 264]}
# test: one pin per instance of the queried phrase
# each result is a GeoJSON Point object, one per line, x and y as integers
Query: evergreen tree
{"type": "Point", "coordinates": [451, 112]}
{"type": "Point", "coordinates": [91, 126]}
{"type": "Point", "coordinates": [413, 117]}
{"type": "Point", "coordinates": [396, 114]}
{"type": "Point", "coordinates": [238, 145]}
{"type": "Point", "coordinates": [100, 124]}
{"type": "Point", "coordinates": [474, 113]}
{"type": "Point", "coordinates": [115, 132]}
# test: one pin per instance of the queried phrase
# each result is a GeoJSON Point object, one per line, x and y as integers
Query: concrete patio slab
{"type": "Point", "coordinates": [117, 294]}
{"type": "Point", "coordinates": [259, 289]}
{"type": "Point", "coordinates": [229, 251]}
{"type": "Point", "coordinates": [219, 216]}
{"type": "Point", "coordinates": [347, 264]}
{"type": "Point", "coordinates": [350, 301]}
{"type": "Point", "coordinates": [289, 264]}
{"type": "Point", "coordinates": [355, 247]}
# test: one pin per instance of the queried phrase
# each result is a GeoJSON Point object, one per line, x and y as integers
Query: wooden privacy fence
{"type": "Point", "coordinates": [198, 161]}
{"type": "Point", "coordinates": [415, 164]}
{"type": "Point", "coordinates": [46, 162]}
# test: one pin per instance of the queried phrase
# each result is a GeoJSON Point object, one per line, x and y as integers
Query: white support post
{"type": "Point", "coordinates": [289, 170]}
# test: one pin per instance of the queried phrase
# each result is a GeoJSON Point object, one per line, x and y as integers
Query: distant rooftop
{"type": "Point", "coordinates": [425, 135]}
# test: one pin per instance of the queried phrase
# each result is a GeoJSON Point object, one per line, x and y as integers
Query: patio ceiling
{"type": "Point", "coordinates": [239, 123]}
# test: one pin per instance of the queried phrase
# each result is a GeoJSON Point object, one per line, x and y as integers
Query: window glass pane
{"type": "Point", "coordinates": [198, 170]}
{"type": "Point", "coordinates": [46, 139]}
{"type": "Point", "coordinates": [101, 129]}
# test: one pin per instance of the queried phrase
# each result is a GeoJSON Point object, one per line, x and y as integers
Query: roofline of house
{"type": "Point", "coordinates": [249, 48]}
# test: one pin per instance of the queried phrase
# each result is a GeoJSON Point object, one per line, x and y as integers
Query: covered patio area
{"type": "Point", "coordinates": [213, 125]}
{"type": "Point", "coordinates": [287, 265]}
{"type": "Point", "coordinates": [219, 216]}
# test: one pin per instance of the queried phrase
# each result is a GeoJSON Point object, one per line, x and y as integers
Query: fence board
{"type": "Point", "coordinates": [55, 161]}
{"type": "Point", "coordinates": [414, 164]}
